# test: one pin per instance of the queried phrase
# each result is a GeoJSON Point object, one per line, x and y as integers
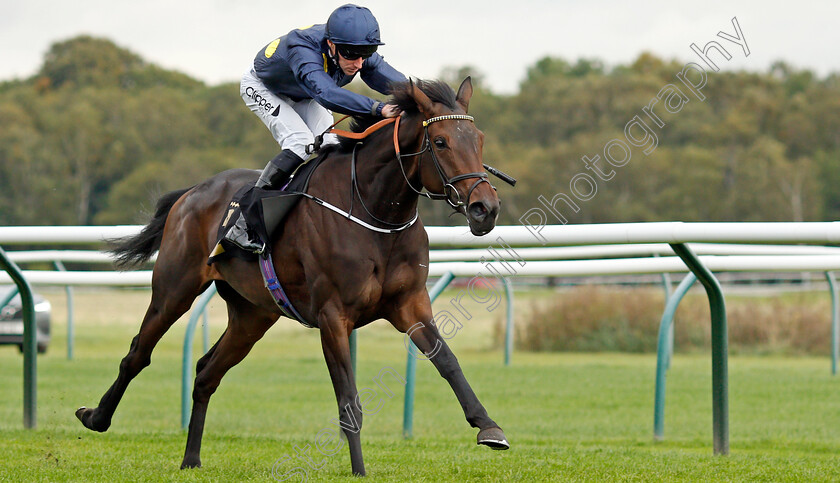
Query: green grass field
{"type": "Point", "coordinates": [569, 417]}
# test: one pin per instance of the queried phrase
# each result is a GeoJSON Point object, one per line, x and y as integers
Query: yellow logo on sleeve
{"type": "Point", "coordinates": [271, 48]}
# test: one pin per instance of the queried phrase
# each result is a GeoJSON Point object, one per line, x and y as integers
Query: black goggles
{"type": "Point", "coordinates": [353, 52]}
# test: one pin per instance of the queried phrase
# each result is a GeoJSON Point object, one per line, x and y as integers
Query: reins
{"type": "Point", "coordinates": [361, 135]}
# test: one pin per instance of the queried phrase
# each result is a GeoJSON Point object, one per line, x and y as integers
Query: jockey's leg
{"type": "Point", "coordinates": [273, 176]}
{"type": "Point", "coordinates": [288, 123]}
{"type": "Point", "coordinates": [317, 118]}
{"type": "Point", "coordinates": [278, 170]}
{"type": "Point", "coordinates": [289, 130]}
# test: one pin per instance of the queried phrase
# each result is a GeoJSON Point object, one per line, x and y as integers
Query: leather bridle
{"type": "Point", "coordinates": [449, 188]}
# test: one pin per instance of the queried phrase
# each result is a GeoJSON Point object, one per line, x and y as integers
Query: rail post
{"type": "Point", "coordinates": [667, 286]}
{"type": "Point", "coordinates": [186, 362]}
{"type": "Point", "coordinates": [411, 364]}
{"type": "Point", "coordinates": [70, 331]}
{"type": "Point", "coordinates": [205, 330]}
{"type": "Point", "coordinates": [30, 349]}
{"type": "Point", "coordinates": [509, 324]}
{"type": "Point", "coordinates": [663, 356]}
{"type": "Point", "coordinates": [835, 319]}
{"type": "Point", "coordinates": [720, 371]}
{"type": "Point", "coordinates": [353, 346]}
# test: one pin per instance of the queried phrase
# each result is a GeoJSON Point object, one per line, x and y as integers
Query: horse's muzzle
{"type": "Point", "coordinates": [482, 215]}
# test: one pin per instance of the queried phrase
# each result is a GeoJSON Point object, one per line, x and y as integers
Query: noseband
{"type": "Point", "coordinates": [448, 183]}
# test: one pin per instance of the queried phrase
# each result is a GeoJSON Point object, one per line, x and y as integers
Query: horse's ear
{"type": "Point", "coordinates": [422, 100]}
{"type": "Point", "coordinates": [465, 92]}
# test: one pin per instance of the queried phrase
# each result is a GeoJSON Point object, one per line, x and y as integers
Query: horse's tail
{"type": "Point", "coordinates": [134, 250]}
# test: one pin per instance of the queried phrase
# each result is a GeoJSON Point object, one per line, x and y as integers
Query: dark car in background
{"type": "Point", "coordinates": [11, 320]}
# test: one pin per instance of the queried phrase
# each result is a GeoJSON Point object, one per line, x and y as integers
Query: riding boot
{"type": "Point", "coordinates": [273, 176]}
{"type": "Point", "coordinates": [238, 235]}
{"type": "Point", "coordinates": [278, 170]}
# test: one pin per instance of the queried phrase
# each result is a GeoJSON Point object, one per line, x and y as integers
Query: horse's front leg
{"type": "Point", "coordinates": [336, 345]}
{"type": "Point", "coordinates": [415, 318]}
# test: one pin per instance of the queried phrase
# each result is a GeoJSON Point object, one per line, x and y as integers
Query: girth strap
{"type": "Point", "coordinates": [276, 290]}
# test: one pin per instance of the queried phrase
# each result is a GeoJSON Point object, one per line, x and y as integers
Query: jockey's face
{"type": "Point", "coordinates": [349, 67]}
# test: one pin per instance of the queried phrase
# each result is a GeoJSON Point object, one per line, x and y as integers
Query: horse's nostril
{"type": "Point", "coordinates": [478, 211]}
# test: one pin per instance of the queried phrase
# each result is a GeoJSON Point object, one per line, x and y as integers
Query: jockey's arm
{"type": "Point", "coordinates": [390, 110]}
{"type": "Point", "coordinates": [324, 90]}
{"type": "Point", "coordinates": [379, 75]}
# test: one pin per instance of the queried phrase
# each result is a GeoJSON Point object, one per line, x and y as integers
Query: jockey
{"type": "Point", "coordinates": [296, 81]}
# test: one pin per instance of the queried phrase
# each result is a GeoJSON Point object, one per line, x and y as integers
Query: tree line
{"type": "Point", "coordinates": [98, 133]}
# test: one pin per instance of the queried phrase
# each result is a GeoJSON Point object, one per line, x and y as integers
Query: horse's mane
{"type": "Point", "coordinates": [436, 90]}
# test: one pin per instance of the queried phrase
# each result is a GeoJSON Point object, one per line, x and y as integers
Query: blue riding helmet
{"type": "Point", "coordinates": [353, 25]}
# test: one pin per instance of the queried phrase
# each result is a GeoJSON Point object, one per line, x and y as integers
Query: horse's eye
{"type": "Point", "coordinates": [440, 143]}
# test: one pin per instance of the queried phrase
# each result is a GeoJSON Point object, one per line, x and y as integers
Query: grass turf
{"type": "Point", "coordinates": [569, 417]}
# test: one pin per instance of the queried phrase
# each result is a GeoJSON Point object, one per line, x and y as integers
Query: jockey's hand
{"type": "Point", "coordinates": [390, 110]}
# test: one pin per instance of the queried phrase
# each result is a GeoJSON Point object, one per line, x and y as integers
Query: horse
{"type": "Point", "coordinates": [338, 274]}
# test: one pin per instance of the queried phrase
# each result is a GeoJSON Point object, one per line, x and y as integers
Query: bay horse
{"type": "Point", "coordinates": [339, 275]}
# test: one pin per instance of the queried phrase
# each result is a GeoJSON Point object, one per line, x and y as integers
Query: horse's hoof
{"type": "Point", "coordinates": [494, 438]}
{"type": "Point", "coordinates": [85, 415]}
{"type": "Point", "coordinates": [190, 464]}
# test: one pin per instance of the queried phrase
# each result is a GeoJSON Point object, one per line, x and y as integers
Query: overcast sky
{"type": "Point", "coordinates": [216, 40]}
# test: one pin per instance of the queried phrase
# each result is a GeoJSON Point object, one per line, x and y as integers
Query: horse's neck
{"type": "Point", "coordinates": [383, 187]}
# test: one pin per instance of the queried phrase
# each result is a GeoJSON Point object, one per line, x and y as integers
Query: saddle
{"type": "Point", "coordinates": [265, 211]}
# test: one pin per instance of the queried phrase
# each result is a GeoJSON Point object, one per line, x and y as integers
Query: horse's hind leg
{"type": "Point", "coordinates": [246, 325]}
{"type": "Point", "coordinates": [173, 292]}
